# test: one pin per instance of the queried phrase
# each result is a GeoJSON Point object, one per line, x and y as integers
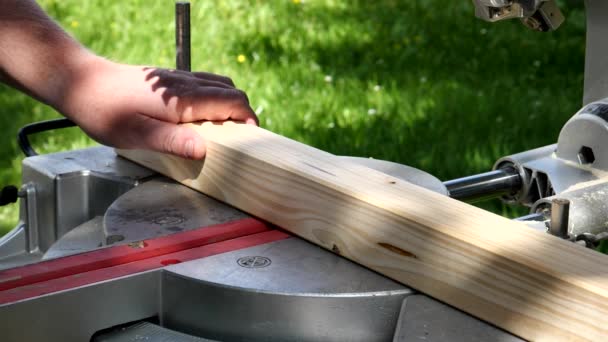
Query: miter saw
{"type": "Point", "coordinates": [107, 250]}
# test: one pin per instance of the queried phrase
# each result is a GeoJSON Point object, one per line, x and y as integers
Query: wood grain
{"type": "Point", "coordinates": [531, 284]}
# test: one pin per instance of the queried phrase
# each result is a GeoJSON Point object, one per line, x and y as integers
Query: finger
{"type": "Point", "coordinates": [219, 80]}
{"type": "Point", "coordinates": [175, 83]}
{"type": "Point", "coordinates": [212, 83]}
{"type": "Point", "coordinates": [198, 75]}
{"type": "Point", "coordinates": [214, 77]}
{"type": "Point", "coordinates": [170, 138]}
{"type": "Point", "coordinates": [215, 104]}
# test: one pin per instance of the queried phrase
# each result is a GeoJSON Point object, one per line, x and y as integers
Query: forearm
{"type": "Point", "coordinates": [36, 55]}
{"type": "Point", "coordinates": [116, 104]}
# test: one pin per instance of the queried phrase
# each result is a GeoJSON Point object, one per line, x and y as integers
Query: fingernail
{"type": "Point", "coordinates": [189, 149]}
{"type": "Point", "coordinates": [250, 121]}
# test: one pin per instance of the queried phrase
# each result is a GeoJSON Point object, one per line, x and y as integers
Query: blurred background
{"type": "Point", "coordinates": [418, 82]}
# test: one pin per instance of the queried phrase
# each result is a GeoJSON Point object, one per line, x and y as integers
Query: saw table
{"type": "Point", "coordinates": [160, 260]}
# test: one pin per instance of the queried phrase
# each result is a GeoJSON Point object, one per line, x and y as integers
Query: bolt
{"type": "Point", "coordinates": [560, 212]}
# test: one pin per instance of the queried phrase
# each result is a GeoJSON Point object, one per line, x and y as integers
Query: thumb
{"type": "Point", "coordinates": [171, 138]}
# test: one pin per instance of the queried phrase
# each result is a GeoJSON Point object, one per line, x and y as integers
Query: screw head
{"type": "Point", "coordinates": [254, 262]}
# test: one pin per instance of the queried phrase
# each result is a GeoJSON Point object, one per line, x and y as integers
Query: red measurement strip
{"type": "Point", "coordinates": [118, 255]}
{"type": "Point", "coordinates": [91, 277]}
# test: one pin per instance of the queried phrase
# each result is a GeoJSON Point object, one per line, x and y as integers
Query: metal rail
{"type": "Point", "coordinates": [182, 35]}
{"type": "Point", "coordinates": [485, 185]}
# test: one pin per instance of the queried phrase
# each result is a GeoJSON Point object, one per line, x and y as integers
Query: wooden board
{"type": "Point", "coordinates": [531, 284]}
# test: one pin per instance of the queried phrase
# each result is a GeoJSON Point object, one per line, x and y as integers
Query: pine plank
{"type": "Point", "coordinates": [531, 284]}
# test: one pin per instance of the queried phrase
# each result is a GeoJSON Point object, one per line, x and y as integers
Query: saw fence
{"type": "Point", "coordinates": [531, 284]}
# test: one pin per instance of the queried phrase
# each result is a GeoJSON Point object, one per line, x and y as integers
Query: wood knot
{"type": "Point", "coordinates": [335, 249]}
{"type": "Point", "coordinates": [397, 250]}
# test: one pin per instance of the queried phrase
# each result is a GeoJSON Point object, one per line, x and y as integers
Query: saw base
{"type": "Point", "coordinates": [287, 290]}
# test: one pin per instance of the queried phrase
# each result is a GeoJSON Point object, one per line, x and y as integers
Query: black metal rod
{"type": "Point", "coordinates": [485, 185]}
{"type": "Point", "coordinates": [182, 35]}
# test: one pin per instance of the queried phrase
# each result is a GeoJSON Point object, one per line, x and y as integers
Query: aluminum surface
{"type": "Point", "coordinates": [148, 332]}
{"type": "Point", "coordinates": [425, 319]}
{"type": "Point", "coordinates": [162, 207]}
{"type": "Point", "coordinates": [214, 311]}
{"type": "Point", "coordinates": [83, 238]}
{"type": "Point", "coordinates": [304, 294]}
{"type": "Point", "coordinates": [62, 191]}
{"type": "Point", "coordinates": [588, 208]}
{"type": "Point", "coordinates": [13, 250]}
{"type": "Point", "coordinates": [73, 187]}
{"type": "Point", "coordinates": [543, 174]}
{"type": "Point", "coordinates": [75, 315]}
{"type": "Point", "coordinates": [583, 138]}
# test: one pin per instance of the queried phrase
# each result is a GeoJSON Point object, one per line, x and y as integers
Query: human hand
{"type": "Point", "coordinates": [140, 107]}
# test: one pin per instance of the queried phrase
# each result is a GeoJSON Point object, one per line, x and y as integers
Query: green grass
{"type": "Point", "coordinates": [419, 82]}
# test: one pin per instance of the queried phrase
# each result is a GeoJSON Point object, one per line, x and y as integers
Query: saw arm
{"type": "Point", "coordinates": [539, 15]}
